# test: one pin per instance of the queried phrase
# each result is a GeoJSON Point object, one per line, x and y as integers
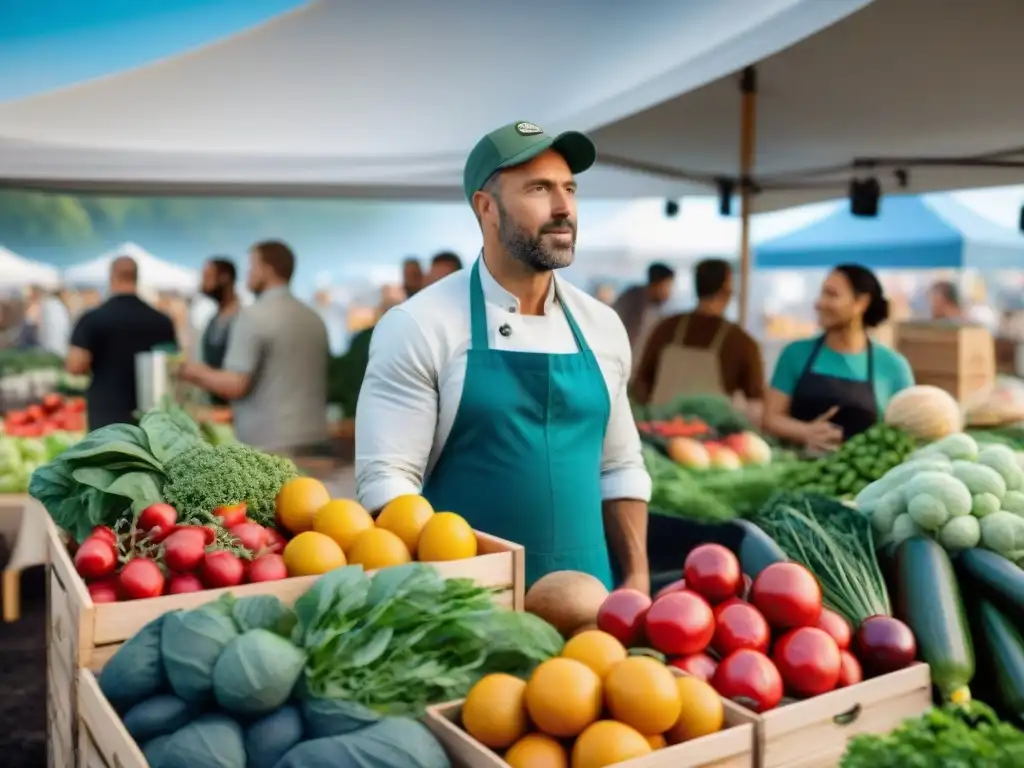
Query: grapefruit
{"type": "Point", "coordinates": [642, 693]}
{"type": "Point", "coordinates": [598, 650]}
{"type": "Point", "coordinates": [405, 517]}
{"type": "Point", "coordinates": [494, 712]}
{"type": "Point", "coordinates": [342, 520]}
{"type": "Point", "coordinates": [311, 554]}
{"type": "Point", "coordinates": [607, 742]}
{"type": "Point", "coordinates": [377, 548]}
{"type": "Point", "coordinates": [446, 536]}
{"type": "Point", "coordinates": [298, 501]}
{"type": "Point", "coordinates": [535, 750]}
{"type": "Point", "coordinates": [563, 697]}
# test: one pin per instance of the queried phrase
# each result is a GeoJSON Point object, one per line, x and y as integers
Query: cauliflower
{"type": "Point", "coordinates": [980, 478]}
{"type": "Point", "coordinates": [956, 446]}
{"type": "Point", "coordinates": [984, 504]}
{"type": "Point", "coordinates": [904, 527]}
{"type": "Point", "coordinates": [1013, 502]}
{"type": "Point", "coordinates": [960, 533]}
{"type": "Point", "coordinates": [886, 511]}
{"type": "Point", "coordinates": [927, 511]}
{"type": "Point", "coordinates": [1002, 460]}
{"type": "Point", "coordinates": [1003, 532]}
{"type": "Point", "coordinates": [952, 494]}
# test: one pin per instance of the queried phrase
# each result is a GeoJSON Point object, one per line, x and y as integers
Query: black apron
{"type": "Point", "coordinates": [215, 346]}
{"type": "Point", "coordinates": [815, 393]}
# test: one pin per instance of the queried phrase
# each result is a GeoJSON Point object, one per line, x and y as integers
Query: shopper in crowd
{"type": "Point", "coordinates": [54, 323]}
{"type": "Point", "coordinates": [500, 392]}
{"type": "Point", "coordinates": [946, 304]}
{"type": "Point", "coordinates": [700, 352]}
{"type": "Point", "coordinates": [106, 340]}
{"type": "Point", "coordinates": [275, 367]}
{"type": "Point", "coordinates": [442, 265]}
{"type": "Point", "coordinates": [412, 276]}
{"type": "Point", "coordinates": [640, 307]}
{"type": "Point", "coordinates": [219, 276]}
{"type": "Point", "coordinates": [831, 387]}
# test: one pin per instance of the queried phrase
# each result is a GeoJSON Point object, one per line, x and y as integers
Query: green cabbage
{"type": "Point", "coordinates": [135, 672]}
{"type": "Point", "coordinates": [256, 672]}
{"type": "Point", "coordinates": [191, 643]}
{"type": "Point", "coordinates": [394, 742]}
{"type": "Point", "coordinates": [269, 738]}
{"type": "Point", "coordinates": [211, 741]}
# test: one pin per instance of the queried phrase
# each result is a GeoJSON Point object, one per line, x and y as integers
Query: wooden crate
{"type": "Point", "coordinates": [814, 733]}
{"type": "Point", "coordinates": [103, 741]}
{"type": "Point", "coordinates": [732, 747]}
{"type": "Point", "coordinates": [949, 348]}
{"type": "Point", "coordinates": [83, 634]}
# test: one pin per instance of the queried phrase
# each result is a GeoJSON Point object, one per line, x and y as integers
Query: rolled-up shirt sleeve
{"type": "Point", "coordinates": [623, 474]}
{"type": "Point", "coordinates": [396, 414]}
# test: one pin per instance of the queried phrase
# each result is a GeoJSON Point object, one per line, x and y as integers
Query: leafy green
{"type": "Point", "coordinates": [406, 637]}
{"type": "Point", "coordinates": [171, 432]}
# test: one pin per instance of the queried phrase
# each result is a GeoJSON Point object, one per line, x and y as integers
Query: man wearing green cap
{"type": "Point", "coordinates": [499, 393]}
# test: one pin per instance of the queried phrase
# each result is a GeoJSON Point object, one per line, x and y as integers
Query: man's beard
{"type": "Point", "coordinates": [216, 293]}
{"type": "Point", "coordinates": [531, 250]}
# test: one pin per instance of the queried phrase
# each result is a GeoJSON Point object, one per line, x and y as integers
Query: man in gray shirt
{"type": "Point", "coordinates": [275, 367]}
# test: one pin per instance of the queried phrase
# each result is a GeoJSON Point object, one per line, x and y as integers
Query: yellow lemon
{"type": "Point", "coordinates": [376, 548]}
{"type": "Point", "coordinates": [311, 553]}
{"type": "Point", "coordinates": [342, 520]}
{"type": "Point", "coordinates": [446, 536]}
{"type": "Point", "coordinates": [297, 502]}
{"type": "Point", "coordinates": [405, 517]}
{"type": "Point", "coordinates": [494, 712]}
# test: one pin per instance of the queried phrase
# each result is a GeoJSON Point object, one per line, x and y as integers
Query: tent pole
{"type": "Point", "coordinates": [748, 128]}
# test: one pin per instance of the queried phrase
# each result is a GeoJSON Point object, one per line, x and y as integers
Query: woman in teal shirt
{"type": "Point", "coordinates": [834, 386]}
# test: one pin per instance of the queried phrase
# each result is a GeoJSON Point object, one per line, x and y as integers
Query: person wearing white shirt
{"type": "Point", "coordinates": [54, 324]}
{"type": "Point", "coordinates": [499, 392]}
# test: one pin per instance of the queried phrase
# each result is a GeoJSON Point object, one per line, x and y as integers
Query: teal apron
{"type": "Point", "coordinates": [523, 460]}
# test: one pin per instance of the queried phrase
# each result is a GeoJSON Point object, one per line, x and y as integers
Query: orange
{"type": "Point", "coordinates": [342, 520]}
{"type": "Point", "coordinates": [598, 650]}
{"type": "Point", "coordinates": [535, 750]}
{"type": "Point", "coordinates": [702, 711]}
{"type": "Point", "coordinates": [446, 536]}
{"type": "Point", "coordinates": [607, 742]}
{"type": "Point", "coordinates": [563, 697]}
{"type": "Point", "coordinates": [376, 548]}
{"type": "Point", "coordinates": [494, 712]}
{"type": "Point", "coordinates": [657, 741]}
{"type": "Point", "coordinates": [311, 553]}
{"type": "Point", "coordinates": [297, 502]}
{"type": "Point", "coordinates": [405, 517]}
{"type": "Point", "coordinates": [643, 694]}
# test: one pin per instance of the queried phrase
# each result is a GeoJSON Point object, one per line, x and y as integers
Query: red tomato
{"type": "Point", "coordinates": [103, 591]}
{"type": "Point", "coordinates": [740, 625]}
{"type": "Point", "coordinates": [713, 572]}
{"type": "Point", "coordinates": [31, 430]}
{"type": "Point", "coordinates": [850, 672]}
{"type": "Point", "coordinates": [275, 540]}
{"type": "Point", "coordinates": [230, 514]}
{"type": "Point", "coordinates": [268, 567]}
{"type": "Point", "coordinates": [159, 515]}
{"type": "Point", "coordinates": [837, 626]}
{"type": "Point", "coordinates": [622, 615]}
{"type": "Point", "coordinates": [96, 558]}
{"type": "Point", "coordinates": [749, 679]}
{"type": "Point", "coordinates": [105, 533]}
{"type": "Point", "coordinates": [139, 579]}
{"type": "Point", "coordinates": [209, 534]}
{"type": "Point", "coordinates": [884, 644]}
{"type": "Point", "coordinates": [251, 535]}
{"type": "Point", "coordinates": [221, 569]}
{"type": "Point", "coordinates": [676, 586]}
{"type": "Point", "coordinates": [52, 402]}
{"type": "Point", "coordinates": [181, 583]}
{"type": "Point", "coordinates": [723, 605]}
{"type": "Point", "coordinates": [699, 665]}
{"type": "Point", "coordinates": [184, 549]}
{"type": "Point", "coordinates": [34, 413]}
{"type": "Point", "coordinates": [680, 623]}
{"type": "Point", "coordinates": [788, 595]}
{"type": "Point", "coordinates": [76, 405]}
{"type": "Point", "coordinates": [16, 418]}
{"type": "Point", "coordinates": [808, 660]}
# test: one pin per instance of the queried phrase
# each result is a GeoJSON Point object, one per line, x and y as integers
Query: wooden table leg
{"type": "Point", "coordinates": [12, 595]}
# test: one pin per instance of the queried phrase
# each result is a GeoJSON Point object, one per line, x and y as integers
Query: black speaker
{"type": "Point", "coordinates": [671, 209]}
{"type": "Point", "coordinates": [864, 197]}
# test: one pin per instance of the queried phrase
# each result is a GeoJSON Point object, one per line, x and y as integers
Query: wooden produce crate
{"type": "Point", "coordinates": [83, 634]}
{"type": "Point", "coordinates": [103, 741]}
{"type": "Point", "coordinates": [814, 733]}
{"type": "Point", "coordinates": [733, 747]}
{"type": "Point", "coordinates": [960, 359]}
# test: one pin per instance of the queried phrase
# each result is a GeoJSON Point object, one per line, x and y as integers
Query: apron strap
{"type": "Point", "coordinates": [581, 341]}
{"type": "Point", "coordinates": [477, 310]}
{"type": "Point", "coordinates": [720, 334]}
{"type": "Point", "coordinates": [812, 357]}
{"type": "Point", "coordinates": [680, 337]}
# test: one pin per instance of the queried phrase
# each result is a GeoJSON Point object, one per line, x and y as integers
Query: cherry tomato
{"type": "Point", "coordinates": [680, 624]}
{"type": "Point", "coordinates": [884, 644]}
{"type": "Point", "coordinates": [675, 586]}
{"type": "Point", "coordinates": [209, 534]}
{"type": "Point", "coordinates": [103, 591]}
{"type": "Point", "coordinates": [787, 595]}
{"type": "Point", "coordinates": [850, 672]}
{"type": "Point", "coordinates": [231, 514]}
{"type": "Point", "coordinates": [622, 616]}
{"type": "Point", "coordinates": [160, 515]}
{"type": "Point", "coordinates": [181, 583]}
{"type": "Point", "coordinates": [808, 660]}
{"type": "Point", "coordinates": [837, 626]}
{"type": "Point", "coordinates": [221, 569]}
{"type": "Point", "coordinates": [698, 665]}
{"type": "Point", "coordinates": [267, 567]}
{"type": "Point", "coordinates": [740, 625]}
{"type": "Point", "coordinates": [250, 535]}
{"type": "Point", "coordinates": [275, 540]}
{"type": "Point", "coordinates": [726, 603]}
{"type": "Point", "coordinates": [750, 679]}
{"type": "Point", "coordinates": [96, 558]}
{"type": "Point", "coordinates": [105, 533]}
{"type": "Point", "coordinates": [713, 572]}
{"type": "Point", "coordinates": [184, 549]}
{"type": "Point", "coordinates": [139, 579]}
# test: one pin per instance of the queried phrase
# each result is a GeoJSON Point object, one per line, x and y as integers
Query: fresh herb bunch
{"type": "Point", "coordinates": [206, 477]}
{"type": "Point", "coordinates": [954, 736]}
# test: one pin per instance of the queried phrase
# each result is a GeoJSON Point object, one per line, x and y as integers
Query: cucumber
{"type": "Point", "coordinates": [928, 600]}
{"type": "Point", "coordinates": [999, 579]}
{"type": "Point", "coordinates": [1006, 649]}
{"type": "Point", "coordinates": [757, 549]}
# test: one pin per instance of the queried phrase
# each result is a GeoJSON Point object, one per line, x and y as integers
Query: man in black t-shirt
{"type": "Point", "coordinates": [105, 341]}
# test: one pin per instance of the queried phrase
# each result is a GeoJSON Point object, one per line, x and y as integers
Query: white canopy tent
{"type": "Point", "coordinates": [154, 274]}
{"type": "Point", "coordinates": [344, 97]}
{"type": "Point", "coordinates": [18, 272]}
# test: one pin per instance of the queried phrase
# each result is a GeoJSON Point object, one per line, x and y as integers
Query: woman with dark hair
{"type": "Point", "coordinates": [831, 387]}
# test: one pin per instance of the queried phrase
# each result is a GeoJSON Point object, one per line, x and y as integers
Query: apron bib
{"type": "Point", "coordinates": [523, 460]}
{"type": "Point", "coordinates": [684, 370]}
{"type": "Point", "coordinates": [815, 393]}
{"type": "Point", "coordinates": [214, 346]}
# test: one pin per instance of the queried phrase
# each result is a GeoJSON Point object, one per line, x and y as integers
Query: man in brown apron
{"type": "Point", "coordinates": [701, 352]}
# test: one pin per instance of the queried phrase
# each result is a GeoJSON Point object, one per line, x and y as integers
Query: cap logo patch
{"type": "Point", "coordinates": [528, 129]}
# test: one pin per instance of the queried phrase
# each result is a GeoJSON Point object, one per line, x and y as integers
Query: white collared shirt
{"type": "Point", "coordinates": [417, 368]}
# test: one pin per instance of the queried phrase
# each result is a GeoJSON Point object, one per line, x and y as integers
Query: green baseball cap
{"type": "Point", "coordinates": [517, 143]}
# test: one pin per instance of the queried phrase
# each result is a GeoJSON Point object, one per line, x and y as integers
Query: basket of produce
{"type": "Point", "coordinates": [337, 679]}
{"type": "Point", "coordinates": [20, 455]}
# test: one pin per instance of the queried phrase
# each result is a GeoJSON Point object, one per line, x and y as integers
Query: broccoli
{"type": "Point", "coordinates": [205, 477]}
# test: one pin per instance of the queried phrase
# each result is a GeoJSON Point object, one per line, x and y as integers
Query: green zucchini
{"type": "Point", "coordinates": [757, 549]}
{"type": "Point", "coordinates": [1006, 649]}
{"type": "Point", "coordinates": [999, 579]}
{"type": "Point", "coordinates": [928, 600]}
